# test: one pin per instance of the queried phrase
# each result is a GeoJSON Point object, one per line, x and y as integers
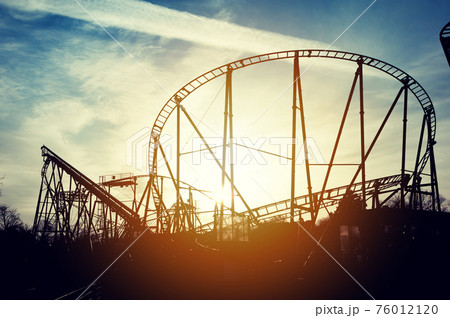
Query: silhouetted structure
{"type": "Point", "coordinates": [271, 251]}
{"type": "Point", "coordinates": [444, 36]}
{"type": "Point", "coordinates": [72, 206]}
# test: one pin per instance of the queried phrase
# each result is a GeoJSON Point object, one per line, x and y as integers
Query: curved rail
{"type": "Point", "coordinates": [444, 36]}
{"type": "Point", "coordinates": [415, 88]}
{"type": "Point", "coordinates": [418, 91]}
{"type": "Point", "coordinates": [331, 197]}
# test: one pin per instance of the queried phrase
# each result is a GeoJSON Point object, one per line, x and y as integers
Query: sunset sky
{"type": "Point", "coordinates": [65, 83]}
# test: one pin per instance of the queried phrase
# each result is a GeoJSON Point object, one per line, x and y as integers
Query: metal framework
{"type": "Point", "coordinates": [71, 206]}
{"type": "Point", "coordinates": [444, 36]}
{"type": "Point", "coordinates": [281, 210]}
{"type": "Point", "coordinates": [410, 186]}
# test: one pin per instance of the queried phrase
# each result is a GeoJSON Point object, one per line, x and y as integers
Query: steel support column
{"type": "Point", "coordinates": [377, 135]}
{"type": "Point", "coordinates": [179, 224]}
{"type": "Point", "coordinates": [177, 186]}
{"type": "Point", "coordinates": [227, 126]}
{"type": "Point", "coordinates": [294, 136]}
{"type": "Point", "coordinates": [230, 115]}
{"type": "Point", "coordinates": [336, 144]}
{"type": "Point", "coordinates": [224, 147]}
{"type": "Point", "coordinates": [147, 201]}
{"type": "Point", "coordinates": [305, 144]}
{"type": "Point", "coordinates": [405, 120]}
{"type": "Point", "coordinates": [433, 175]}
{"type": "Point", "coordinates": [415, 188]}
{"type": "Point", "coordinates": [249, 210]}
{"type": "Point", "coordinates": [361, 121]}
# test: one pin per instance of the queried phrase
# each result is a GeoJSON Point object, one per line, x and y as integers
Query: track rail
{"type": "Point", "coordinates": [415, 88]}
{"type": "Point", "coordinates": [115, 205]}
{"type": "Point", "coordinates": [444, 36]}
{"type": "Point", "coordinates": [331, 197]}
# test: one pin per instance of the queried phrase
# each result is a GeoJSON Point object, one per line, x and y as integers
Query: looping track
{"type": "Point", "coordinates": [414, 87]}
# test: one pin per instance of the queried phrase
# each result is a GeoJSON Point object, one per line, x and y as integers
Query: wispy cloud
{"type": "Point", "coordinates": [157, 20]}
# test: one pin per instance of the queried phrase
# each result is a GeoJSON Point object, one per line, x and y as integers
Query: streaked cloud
{"type": "Point", "coordinates": [157, 20]}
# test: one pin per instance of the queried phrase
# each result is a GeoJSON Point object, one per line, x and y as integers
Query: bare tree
{"type": "Point", "coordinates": [350, 202]}
{"type": "Point", "coordinates": [394, 202]}
{"type": "Point", "coordinates": [10, 219]}
{"type": "Point", "coordinates": [427, 202]}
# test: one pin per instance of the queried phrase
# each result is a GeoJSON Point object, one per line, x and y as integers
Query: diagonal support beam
{"type": "Point", "coordinates": [176, 184]}
{"type": "Point", "coordinates": [415, 189]}
{"type": "Point", "coordinates": [338, 138]}
{"type": "Point", "coordinates": [249, 210]}
{"type": "Point", "coordinates": [378, 134]}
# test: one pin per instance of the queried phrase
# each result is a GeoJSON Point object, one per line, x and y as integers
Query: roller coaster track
{"type": "Point", "coordinates": [444, 36]}
{"type": "Point", "coordinates": [415, 88]}
{"type": "Point", "coordinates": [86, 188]}
{"type": "Point", "coordinates": [331, 197]}
{"type": "Point", "coordinates": [155, 193]}
{"type": "Point", "coordinates": [131, 217]}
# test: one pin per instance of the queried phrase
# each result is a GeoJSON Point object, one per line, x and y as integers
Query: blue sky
{"type": "Point", "coordinates": [66, 84]}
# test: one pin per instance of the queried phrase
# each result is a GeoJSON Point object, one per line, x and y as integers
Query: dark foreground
{"type": "Point", "coordinates": [390, 258]}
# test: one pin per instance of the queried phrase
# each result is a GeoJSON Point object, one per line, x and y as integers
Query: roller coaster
{"type": "Point", "coordinates": [72, 206]}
